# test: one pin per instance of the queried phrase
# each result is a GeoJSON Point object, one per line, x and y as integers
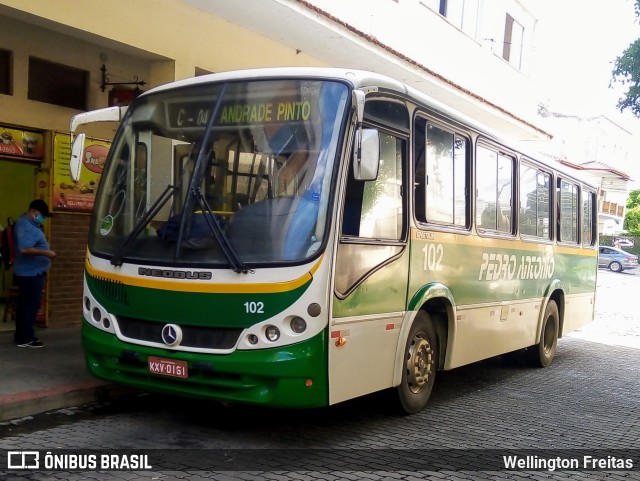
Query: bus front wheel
{"type": "Point", "coordinates": [419, 365]}
{"type": "Point", "coordinates": [542, 354]}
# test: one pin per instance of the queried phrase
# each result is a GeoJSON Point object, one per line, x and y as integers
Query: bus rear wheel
{"type": "Point", "coordinates": [542, 354]}
{"type": "Point", "coordinates": [420, 363]}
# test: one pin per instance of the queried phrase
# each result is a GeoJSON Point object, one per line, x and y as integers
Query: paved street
{"type": "Point", "coordinates": [586, 403]}
{"type": "Point", "coordinates": [617, 310]}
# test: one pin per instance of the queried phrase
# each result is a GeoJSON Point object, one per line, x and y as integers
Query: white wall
{"type": "Point", "coordinates": [475, 64]}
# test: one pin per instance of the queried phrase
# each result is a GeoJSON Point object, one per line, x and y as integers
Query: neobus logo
{"type": "Point", "coordinates": [171, 274]}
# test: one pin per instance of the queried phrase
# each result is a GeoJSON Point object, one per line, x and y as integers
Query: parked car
{"type": "Point", "coordinates": [616, 259]}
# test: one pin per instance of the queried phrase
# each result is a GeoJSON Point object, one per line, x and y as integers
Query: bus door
{"type": "Point", "coordinates": [370, 277]}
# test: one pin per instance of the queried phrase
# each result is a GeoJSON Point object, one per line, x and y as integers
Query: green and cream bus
{"type": "Point", "coordinates": [297, 237]}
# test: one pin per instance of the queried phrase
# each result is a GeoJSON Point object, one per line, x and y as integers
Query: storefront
{"type": "Point", "coordinates": [21, 180]}
{"type": "Point", "coordinates": [35, 164]}
{"type": "Point", "coordinates": [35, 151]}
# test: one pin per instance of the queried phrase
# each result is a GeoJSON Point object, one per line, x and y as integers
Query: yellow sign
{"type": "Point", "coordinates": [77, 196]}
{"type": "Point", "coordinates": [21, 143]}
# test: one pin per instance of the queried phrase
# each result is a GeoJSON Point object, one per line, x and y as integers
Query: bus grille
{"type": "Point", "coordinates": [192, 336]}
{"type": "Point", "coordinates": [112, 290]}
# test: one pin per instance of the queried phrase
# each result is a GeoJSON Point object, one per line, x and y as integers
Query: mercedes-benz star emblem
{"type": "Point", "coordinates": [171, 335]}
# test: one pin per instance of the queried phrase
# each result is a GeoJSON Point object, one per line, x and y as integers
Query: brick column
{"type": "Point", "coordinates": [68, 238]}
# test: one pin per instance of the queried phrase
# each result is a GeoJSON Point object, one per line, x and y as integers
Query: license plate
{"type": "Point", "coordinates": [168, 367]}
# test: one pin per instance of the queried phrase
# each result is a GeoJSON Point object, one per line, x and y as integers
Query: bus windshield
{"type": "Point", "coordinates": [229, 174]}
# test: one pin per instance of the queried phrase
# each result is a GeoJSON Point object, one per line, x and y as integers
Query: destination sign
{"type": "Point", "coordinates": [197, 113]}
{"type": "Point", "coordinates": [189, 114]}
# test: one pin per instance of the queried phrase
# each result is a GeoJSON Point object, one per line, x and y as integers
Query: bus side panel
{"type": "Point", "coordinates": [499, 287]}
{"type": "Point", "coordinates": [579, 311]}
{"type": "Point", "coordinates": [369, 323]}
{"type": "Point", "coordinates": [487, 331]}
{"type": "Point", "coordinates": [577, 271]}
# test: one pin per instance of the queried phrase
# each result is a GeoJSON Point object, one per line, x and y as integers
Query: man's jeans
{"type": "Point", "coordinates": [29, 299]}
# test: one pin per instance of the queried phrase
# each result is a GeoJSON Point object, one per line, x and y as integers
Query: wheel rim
{"type": "Point", "coordinates": [549, 334]}
{"type": "Point", "coordinates": [615, 266]}
{"type": "Point", "coordinates": [419, 363]}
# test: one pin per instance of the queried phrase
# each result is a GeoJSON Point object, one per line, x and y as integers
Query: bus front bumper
{"type": "Point", "coordinates": [292, 376]}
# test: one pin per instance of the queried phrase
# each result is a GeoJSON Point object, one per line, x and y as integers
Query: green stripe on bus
{"type": "Point", "coordinates": [194, 308]}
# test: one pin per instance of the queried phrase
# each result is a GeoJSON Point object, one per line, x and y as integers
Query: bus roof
{"type": "Point", "coordinates": [356, 78]}
{"type": "Point", "coordinates": [366, 79]}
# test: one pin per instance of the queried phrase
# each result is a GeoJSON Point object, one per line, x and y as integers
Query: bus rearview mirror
{"type": "Point", "coordinates": [366, 154]}
{"type": "Point", "coordinates": [75, 163]}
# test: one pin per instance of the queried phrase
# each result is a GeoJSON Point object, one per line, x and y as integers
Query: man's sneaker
{"type": "Point", "coordinates": [33, 344]}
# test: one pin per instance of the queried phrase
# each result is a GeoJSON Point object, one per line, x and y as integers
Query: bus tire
{"type": "Point", "coordinates": [420, 363]}
{"type": "Point", "coordinates": [542, 354]}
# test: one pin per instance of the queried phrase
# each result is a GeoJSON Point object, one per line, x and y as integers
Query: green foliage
{"type": "Point", "coordinates": [634, 199]}
{"type": "Point", "coordinates": [627, 72]}
{"type": "Point", "coordinates": [632, 216]}
{"type": "Point", "coordinates": [632, 221]}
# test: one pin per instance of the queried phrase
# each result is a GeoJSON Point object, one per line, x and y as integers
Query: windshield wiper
{"type": "Point", "coordinates": [116, 259]}
{"type": "Point", "coordinates": [216, 229]}
{"type": "Point", "coordinates": [194, 188]}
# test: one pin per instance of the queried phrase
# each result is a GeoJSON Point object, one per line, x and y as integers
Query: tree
{"type": "Point", "coordinates": [627, 72]}
{"type": "Point", "coordinates": [633, 199]}
{"type": "Point", "coordinates": [632, 216]}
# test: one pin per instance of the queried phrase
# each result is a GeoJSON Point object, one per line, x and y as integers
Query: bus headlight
{"type": "Point", "coordinates": [272, 333]}
{"type": "Point", "coordinates": [253, 339]}
{"type": "Point", "coordinates": [298, 325]}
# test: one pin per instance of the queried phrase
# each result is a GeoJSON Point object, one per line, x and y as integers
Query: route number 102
{"type": "Point", "coordinates": [254, 307]}
{"type": "Point", "coordinates": [432, 257]}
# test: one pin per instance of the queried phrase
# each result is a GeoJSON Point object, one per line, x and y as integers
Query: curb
{"type": "Point", "coordinates": [27, 403]}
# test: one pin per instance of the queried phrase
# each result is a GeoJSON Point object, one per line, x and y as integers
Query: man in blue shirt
{"type": "Point", "coordinates": [31, 263]}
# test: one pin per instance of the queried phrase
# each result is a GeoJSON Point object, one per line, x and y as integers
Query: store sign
{"type": "Point", "coordinates": [77, 196]}
{"type": "Point", "coordinates": [21, 143]}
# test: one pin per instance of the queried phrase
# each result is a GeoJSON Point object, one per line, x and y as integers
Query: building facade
{"type": "Point", "coordinates": [603, 152]}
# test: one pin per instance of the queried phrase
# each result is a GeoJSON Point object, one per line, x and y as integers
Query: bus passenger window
{"type": "Point", "coordinates": [494, 174]}
{"type": "Point", "coordinates": [568, 209]}
{"type": "Point", "coordinates": [535, 188]}
{"type": "Point", "coordinates": [440, 176]}
{"type": "Point", "coordinates": [588, 216]}
{"type": "Point", "coordinates": [420, 179]}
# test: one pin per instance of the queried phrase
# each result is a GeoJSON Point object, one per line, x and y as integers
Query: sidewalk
{"type": "Point", "coordinates": [53, 377]}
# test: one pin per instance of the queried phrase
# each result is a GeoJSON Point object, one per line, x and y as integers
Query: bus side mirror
{"type": "Point", "coordinates": [366, 154]}
{"type": "Point", "coordinates": [75, 163]}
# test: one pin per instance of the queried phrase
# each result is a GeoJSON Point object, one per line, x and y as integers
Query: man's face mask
{"type": "Point", "coordinates": [39, 219]}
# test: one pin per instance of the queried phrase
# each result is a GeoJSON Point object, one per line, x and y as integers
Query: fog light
{"type": "Point", "coordinates": [272, 333]}
{"type": "Point", "coordinates": [252, 338]}
{"type": "Point", "coordinates": [96, 314]}
{"type": "Point", "coordinates": [106, 323]}
{"type": "Point", "coordinates": [314, 309]}
{"type": "Point", "coordinates": [87, 304]}
{"type": "Point", "coordinates": [298, 325]}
